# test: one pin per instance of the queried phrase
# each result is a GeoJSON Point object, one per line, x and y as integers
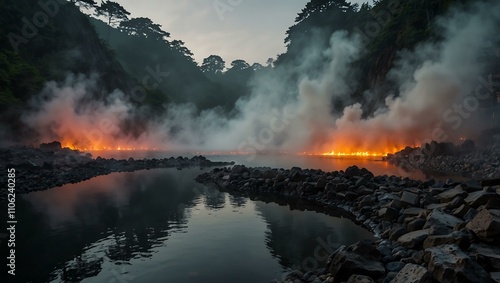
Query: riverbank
{"type": "Point", "coordinates": [49, 166]}
{"type": "Point", "coordinates": [428, 230]}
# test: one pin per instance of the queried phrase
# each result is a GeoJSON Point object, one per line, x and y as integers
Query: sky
{"type": "Point", "coordinates": [252, 30]}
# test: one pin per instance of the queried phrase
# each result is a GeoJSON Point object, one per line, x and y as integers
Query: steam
{"type": "Point", "coordinates": [437, 84]}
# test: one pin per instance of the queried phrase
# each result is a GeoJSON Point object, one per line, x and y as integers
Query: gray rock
{"type": "Point", "coordinates": [361, 182]}
{"type": "Point", "coordinates": [470, 214]}
{"type": "Point", "coordinates": [472, 186]}
{"type": "Point", "coordinates": [448, 263]}
{"type": "Point", "coordinates": [413, 273]}
{"type": "Point", "coordinates": [495, 276]}
{"type": "Point", "coordinates": [416, 224]}
{"type": "Point", "coordinates": [396, 203]}
{"type": "Point", "coordinates": [458, 238]}
{"type": "Point", "coordinates": [410, 199]}
{"type": "Point", "coordinates": [397, 232]}
{"type": "Point", "coordinates": [486, 226]}
{"type": "Point", "coordinates": [389, 213]}
{"type": "Point", "coordinates": [360, 279]}
{"type": "Point", "coordinates": [413, 240]}
{"type": "Point", "coordinates": [321, 184]}
{"type": "Point", "coordinates": [414, 211]}
{"type": "Point", "coordinates": [493, 203]}
{"type": "Point", "coordinates": [395, 266]}
{"type": "Point", "coordinates": [476, 199]}
{"type": "Point", "coordinates": [280, 178]}
{"type": "Point", "coordinates": [361, 258]}
{"type": "Point", "coordinates": [438, 217]}
{"type": "Point", "coordinates": [487, 256]}
{"type": "Point", "coordinates": [433, 206]}
{"type": "Point", "coordinates": [461, 210]}
{"type": "Point", "coordinates": [449, 195]}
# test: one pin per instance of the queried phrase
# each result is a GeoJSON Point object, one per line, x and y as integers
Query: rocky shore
{"type": "Point", "coordinates": [428, 231]}
{"type": "Point", "coordinates": [52, 166]}
{"type": "Point", "coordinates": [448, 159]}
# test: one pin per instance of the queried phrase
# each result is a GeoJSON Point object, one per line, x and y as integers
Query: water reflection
{"type": "Point", "coordinates": [159, 225]}
{"type": "Point", "coordinates": [304, 239]}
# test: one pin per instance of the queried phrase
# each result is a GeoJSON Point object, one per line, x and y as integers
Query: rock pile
{"type": "Point", "coordinates": [429, 231]}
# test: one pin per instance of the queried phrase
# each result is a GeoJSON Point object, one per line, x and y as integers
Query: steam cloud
{"type": "Point", "coordinates": [438, 91]}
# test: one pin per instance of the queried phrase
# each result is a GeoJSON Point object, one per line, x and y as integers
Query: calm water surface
{"type": "Point", "coordinates": [161, 226]}
{"type": "Point", "coordinates": [325, 163]}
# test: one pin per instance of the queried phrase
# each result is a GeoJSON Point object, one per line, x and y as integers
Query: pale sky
{"type": "Point", "coordinates": [252, 30]}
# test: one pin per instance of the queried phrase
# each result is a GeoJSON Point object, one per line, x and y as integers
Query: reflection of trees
{"type": "Point", "coordinates": [237, 200]}
{"type": "Point", "coordinates": [140, 224]}
{"type": "Point", "coordinates": [81, 268]}
{"type": "Point", "coordinates": [214, 199]}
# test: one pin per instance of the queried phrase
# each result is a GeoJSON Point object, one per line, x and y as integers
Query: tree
{"type": "Point", "coordinates": [239, 65]}
{"type": "Point", "coordinates": [179, 46]}
{"type": "Point", "coordinates": [270, 62]}
{"type": "Point", "coordinates": [257, 66]}
{"type": "Point", "coordinates": [87, 4]}
{"type": "Point", "coordinates": [213, 64]}
{"type": "Point", "coordinates": [144, 27]}
{"type": "Point", "coordinates": [113, 11]}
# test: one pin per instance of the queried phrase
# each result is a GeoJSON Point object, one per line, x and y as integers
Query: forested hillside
{"type": "Point", "coordinates": [386, 28]}
{"type": "Point", "coordinates": [50, 40]}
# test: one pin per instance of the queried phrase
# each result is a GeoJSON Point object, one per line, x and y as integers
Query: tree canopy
{"type": "Point", "coordinates": [144, 27]}
{"type": "Point", "coordinates": [113, 11]}
{"type": "Point", "coordinates": [213, 64]}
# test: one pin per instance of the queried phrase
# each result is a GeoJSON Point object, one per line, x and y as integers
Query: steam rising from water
{"type": "Point", "coordinates": [437, 83]}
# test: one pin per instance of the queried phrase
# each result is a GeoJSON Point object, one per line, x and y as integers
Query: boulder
{"type": "Point", "coordinates": [486, 226]}
{"type": "Point", "coordinates": [413, 240]}
{"type": "Point", "coordinates": [389, 213]}
{"type": "Point", "coordinates": [439, 218]}
{"type": "Point", "coordinates": [410, 199]}
{"type": "Point", "coordinates": [414, 211]}
{"type": "Point", "coordinates": [476, 199]}
{"type": "Point", "coordinates": [297, 176]}
{"type": "Point", "coordinates": [461, 210]}
{"type": "Point", "coordinates": [397, 232]}
{"type": "Point", "coordinates": [361, 258]}
{"type": "Point", "coordinates": [487, 256]}
{"type": "Point", "coordinates": [448, 263]}
{"type": "Point", "coordinates": [416, 224]}
{"type": "Point", "coordinates": [353, 171]}
{"type": "Point", "coordinates": [458, 238]}
{"type": "Point", "coordinates": [449, 195]}
{"type": "Point", "coordinates": [413, 273]}
{"type": "Point", "coordinates": [472, 186]}
{"type": "Point", "coordinates": [321, 184]}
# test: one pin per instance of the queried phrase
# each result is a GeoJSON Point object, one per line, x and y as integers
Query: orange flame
{"type": "Point", "coordinates": [104, 147]}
